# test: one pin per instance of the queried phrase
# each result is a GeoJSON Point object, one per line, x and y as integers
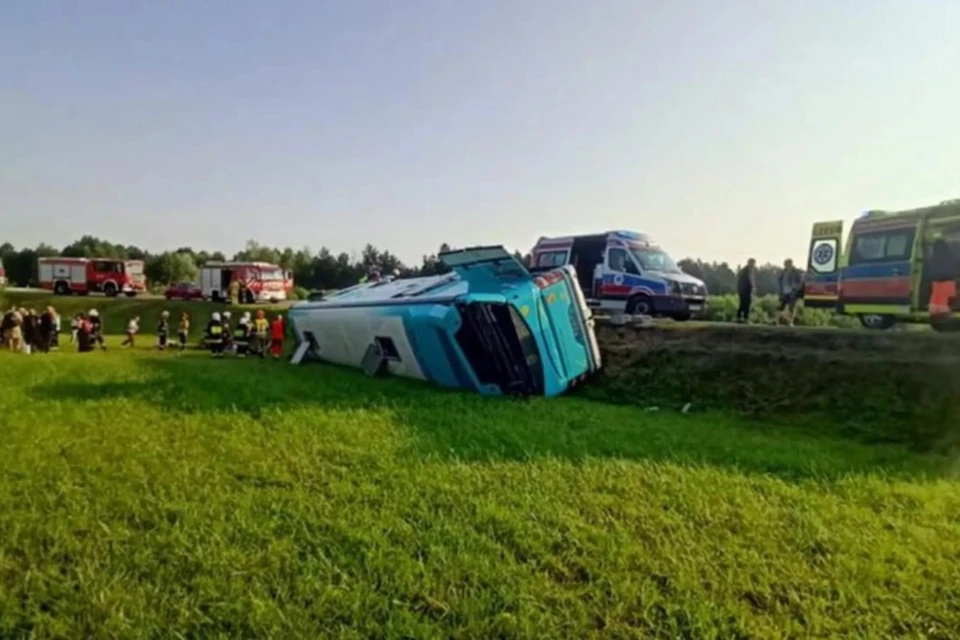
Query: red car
{"type": "Point", "coordinates": [183, 291]}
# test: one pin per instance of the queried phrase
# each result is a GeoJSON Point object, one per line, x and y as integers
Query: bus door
{"type": "Point", "coordinates": [821, 288]}
{"type": "Point", "coordinates": [878, 277]}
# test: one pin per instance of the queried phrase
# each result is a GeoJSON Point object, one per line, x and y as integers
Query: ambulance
{"type": "Point", "coordinates": [880, 272]}
{"type": "Point", "coordinates": [624, 272]}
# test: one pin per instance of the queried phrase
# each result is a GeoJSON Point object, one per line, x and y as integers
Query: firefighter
{"type": "Point", "coordinates": [276, 336]}
{"type": "Point", "coordinates": [260, 328]}
{"type": "Point", "coordinates": [183, 331]}
{"type": "Point", "coordinates": [214, 335]}
{"type": "Point", "coordinates": [372, 275]}
{"type": "Point", "coordinates": [234, 292]}
{"type": "Point", "coordinates": [227, 332]}
{"type": "Point", "coordinates": [96, 329]}
{"type": "Point", "coordinates": [241, 335]}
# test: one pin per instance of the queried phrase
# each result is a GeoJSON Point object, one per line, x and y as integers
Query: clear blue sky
{"type": "Point", "coordinates": [722, 127]}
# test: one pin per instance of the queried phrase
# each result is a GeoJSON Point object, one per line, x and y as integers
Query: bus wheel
{"type": "Point", "coordinates": [877, 321]}
{"type": "Point", "coordinates": [640, 306]}
{"type": "Point", "coordinates": [110, 289]}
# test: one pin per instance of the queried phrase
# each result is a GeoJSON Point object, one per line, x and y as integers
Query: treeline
{"type": "Point", "coordinates": [321, 269]}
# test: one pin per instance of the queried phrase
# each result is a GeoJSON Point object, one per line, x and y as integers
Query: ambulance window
{"type": "Point", "coordinates": [883, 246]}
{"type": "Point", "coordinates": [552, 259]}
{"type": "Point", "coordinates": [618, 260]}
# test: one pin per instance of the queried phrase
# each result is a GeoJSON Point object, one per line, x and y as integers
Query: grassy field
{"type": "Point", "coordinates": [165, 495]}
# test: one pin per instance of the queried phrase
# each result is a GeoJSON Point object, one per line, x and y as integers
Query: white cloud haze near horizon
{"type": "Point", "coordinates": [724, 129]}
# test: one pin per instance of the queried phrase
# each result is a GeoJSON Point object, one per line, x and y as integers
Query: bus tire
{"type": "Point", "coordinates": [876, 322]}
{"type": "Point", "coordinates": [640, 304]}
{"type": "Point", "coordinates": [110, 290]}
{"type": "Point", "coordinates": [61, 289]}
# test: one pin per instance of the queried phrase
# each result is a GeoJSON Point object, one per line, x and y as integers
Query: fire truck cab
{"type": "Point", "coordinates": [109, 276]}
{"type": "Point", "coordinates": [258, 281]}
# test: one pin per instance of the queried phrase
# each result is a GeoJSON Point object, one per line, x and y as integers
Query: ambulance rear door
{"type": "Point", "coordinates": [822, 286]}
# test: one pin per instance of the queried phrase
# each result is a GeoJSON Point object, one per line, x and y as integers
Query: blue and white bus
{"type": "Point", "coordinates": [488, 326]}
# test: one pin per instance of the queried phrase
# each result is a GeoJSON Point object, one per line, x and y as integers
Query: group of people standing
{"type": "Point", "coordinates": [252, 335]}
{"type": "Point", "coordinates": [26, 330]}
{"type": "Point", "coordinates": [789, 288]}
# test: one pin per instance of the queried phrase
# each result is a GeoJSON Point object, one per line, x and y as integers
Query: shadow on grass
{"type": "Point", "coordinates": [468, 427]}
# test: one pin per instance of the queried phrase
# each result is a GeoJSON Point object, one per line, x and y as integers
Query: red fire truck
{"type": "Point", "coordinates": [3, 275]}
{"type": "Point", "coordinates": [84, 275]}
{"type": "Point", "coordinates": [258, 281]}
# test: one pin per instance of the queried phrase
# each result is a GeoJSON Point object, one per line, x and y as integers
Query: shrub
{"type": "Point", "coordinates": [765, 309]}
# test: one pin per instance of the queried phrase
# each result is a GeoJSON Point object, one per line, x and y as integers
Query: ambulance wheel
{"type": "Point", "coordinates": [945, 325]}
{"type": "Point", "coordinates": [877, 322]}
{"type": "Point", "coordinates": [640, 305]}
{"type": "Point", "coordinates": [110, 290]}
{"type": "Point", "coordinates": [61, 289]}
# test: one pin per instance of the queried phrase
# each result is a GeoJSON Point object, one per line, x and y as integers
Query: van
{"type": "Point", "coordinates": [881, 273]}
{"type": "Point", "coordinates": [624, 272]}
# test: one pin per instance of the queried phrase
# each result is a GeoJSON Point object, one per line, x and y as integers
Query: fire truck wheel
{"type": "Point", "coordinates": [61, 289]}
{"type": "Point", "coordinates": [248, 296]}
{"type": "Point", "coordinates": [110, 289]}
{"type": "Point", "coordinates": [131, 294]}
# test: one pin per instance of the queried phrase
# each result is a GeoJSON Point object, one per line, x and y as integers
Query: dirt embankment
{"type": "Point", "coordinates": [897, 386]}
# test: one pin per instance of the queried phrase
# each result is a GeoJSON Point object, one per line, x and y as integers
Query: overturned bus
{"type": "Point", "coordinates": [489, 326]}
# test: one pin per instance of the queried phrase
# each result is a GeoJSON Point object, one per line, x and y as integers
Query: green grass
{"type": "Point", "coordinates": [158, 495]}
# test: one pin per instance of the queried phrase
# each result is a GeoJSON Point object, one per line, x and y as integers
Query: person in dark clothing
{"type": "Point", "coordinates": [790, 285]}
{"type": "Point", "coordinates": [96, 329]}
{"type": "Point", "coordinates": [227, 332]}
{"type": "Point", "coordinates": [6, 327]}
{"type": "Point", "coordinates": [84, 335]}
{"type": "Point", "coordinates": [943, 275]}
{"type": "Point", "coordinates": [55, 336]}
{"type": "Point", "coordinates": [45, 331]}
{"type": "Point", "coordinates": [241, 336]}
{"type": "Point", "coordinates": [31, 330]}
{"type": "Point", "coordinates": [746, 289]}
{"type": "Point", "coordinates": [214, 335]}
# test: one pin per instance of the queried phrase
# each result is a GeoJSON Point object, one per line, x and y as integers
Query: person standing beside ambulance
{"type": "Point", "coordinates": [943, 275]}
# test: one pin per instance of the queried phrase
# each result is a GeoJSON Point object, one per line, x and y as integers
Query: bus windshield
{"type": "Point", "coordinates": [654, 259]}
